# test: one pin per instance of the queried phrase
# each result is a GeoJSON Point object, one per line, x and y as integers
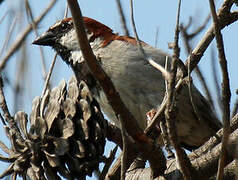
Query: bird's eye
{"type": "Point", "coordinates": [64, 26]}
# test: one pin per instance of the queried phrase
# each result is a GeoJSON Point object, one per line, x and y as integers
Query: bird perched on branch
{"type": "Point", "coordinates": [140, 85]}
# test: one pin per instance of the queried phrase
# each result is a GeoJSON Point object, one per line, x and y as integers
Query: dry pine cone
{"type": "Point", "coordinates": [67, 135]}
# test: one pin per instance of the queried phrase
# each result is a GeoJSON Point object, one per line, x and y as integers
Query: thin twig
{"type": "Point", "coordinates": [157, 117]}
{"type": "Point", "coordinates": [3, 103]}
{"type": "Point", "coordinates": [203, 82]}
{"type": "Point", "coordinates": [226, 94]}
{"type": "Point", "coordinates": [9, 119]}
{"type": "Point", "coordinates": [215, 78]}
{"type": "Point", "coordinates": [155, 166]}
{"type": "Point", "coordinates": [124, 150]}
{"type": "Point", "coordinates": [4, 16]}
{"type": "Point", "coordinates": [227, 19]}
{"type": "Point", "coordinates": [108, 163]}
{"type": "Point", "coordinates": [115, 170]}
{"type": "Point", "coordinates": [113, 134]}
{"type": "Point", "coordinates": [122, 17]}
{"type": "Point", "coordinates": [14, 176]}
{"type": "Point", "coordinates": [170, 114]}
{"type": "Point", "coordinates": [47, 80]}
{"type": "Point", "coordinates": [186, 39]}
{"type": "Point", "coordinates": [2, 119]}
{"type": "Point", "coordinates": [66, 10]}
{"type": "Point", "coordinates": [49, 75]}
{"type": "Point", "coordinates": [164, 72]}
{"type": "Point", "coordinates": [198, 73]}
{"type": "Point", "coordinates": [29, 12]}
{"type": "Point", "coordinates": [22, 36]}
{"type": "Point", "coordinates": [156, 37]}
{"type": "Point", "coordinates": [200, 28]}
{"type": "Point", "coordinates": [165, 137]}
{"type": "Point", "coordinates": [135, 31]}
{"type": "Point", "coordinates": [195, 108]}
{"type": "Point", "coordinates": [205, 164]}
{"type": "Point", "coordinates": [195, 57]}
{"type": "Point", "coordinates": [20, 77]}
{"type": "Point", "coordinates": [9, 34]}
{"type": "Point", "coordinates": [235, 109]}
{"type": "Point", "coordinates": [3, 147]}
{"type": "Point", "coordinates": [154, 121]}
{"type": "Point", "coordinates": [166, 68]}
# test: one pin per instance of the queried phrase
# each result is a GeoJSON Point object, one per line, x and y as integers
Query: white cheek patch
{"type": "Point", "coordinates": [89, 35]}
{"type": "Point", "coordinates": [70, 41]}
{"type": "Point", "coordinates": [77, 57]}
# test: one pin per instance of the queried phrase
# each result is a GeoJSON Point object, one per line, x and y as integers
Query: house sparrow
{"type": "Point", "coordinates": [141, 86]}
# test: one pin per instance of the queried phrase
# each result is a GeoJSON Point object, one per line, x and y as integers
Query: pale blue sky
{"type": "Point", "coordinates": [149, 15]}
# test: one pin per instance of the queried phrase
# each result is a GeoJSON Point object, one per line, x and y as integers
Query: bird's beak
{"type": "Point", "coordinates": [46, 39]}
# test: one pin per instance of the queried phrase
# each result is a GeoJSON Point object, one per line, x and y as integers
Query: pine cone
{"type": "Point", "coordinates": [66, 137]}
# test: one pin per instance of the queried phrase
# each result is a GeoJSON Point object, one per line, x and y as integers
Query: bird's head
{"type": "Point", "coordinates": [62, 38]}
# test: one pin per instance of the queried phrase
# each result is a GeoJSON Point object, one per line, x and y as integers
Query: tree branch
{"type": "Point", "coordinates": [225, 18]}
{"type": "Point", "coordinates": [204, 160]}
{"type": "Point", "coordinates": [122, 17]}
{"type": "Point", "coordinates": [144, 143]}
{"type": "Point", "coordinates": [3, 105]}
{"type": "Point", "coordinates": [226, 93]}
{"type": "Point", "coordinates": [22, 36]}
{"type": "Point", "coordinates": [170, 113]}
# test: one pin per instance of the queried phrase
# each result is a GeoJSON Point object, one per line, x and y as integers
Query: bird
{"type": "Point", "coordinates": [140, 86]}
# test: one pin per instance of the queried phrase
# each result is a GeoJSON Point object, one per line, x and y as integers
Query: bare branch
{"type": "Point", "coordinates": [204, 160]}
{"type": "Point", "coordinates": [9, 34]}
{"type": "Point", "coordinates": [22, 36]}
{"type": "Point", "coordinates": [20, 77]}
{"type": "Point", "coordinates": [226, 93]}
{"type": "Point", "coordinates": [156, 167]}
{"type": "Point", "coordinates": [108, 163]}
{"type": "Point", "coordinates": [225, 18]}
{"type": "Point", "coordinates": [12, 124]}
{"type": "Point", "coordinates": [186, 39]}
{"type": "Point", "coordinates": [47, 80]}
{"type": "Point", "coordinates": [200, 28]}
{"type": "Point", "coordinates": [144, 143]}
{"type": "Point", "coordinates": [5, 148]}
{"type": "Point", "coordinates": [170, 114]}
{"type": "Point", "coordinates": [124, 150]}
{"type": "Point", "coordinates": [135, 31]}
{"type": "Point", "coordinates": [164, 72]}
{"type": "Point", "coordinates": [235, 109]}
{"type": "Point", "coordinates": [122, 17]}
{"type": "Point", "coordinates": [3, 103]}
{"type": "Point", "coordinates": [203, 82]}
{"type": "Point", "coordinates": [113, 133]}
{"type": "Point", "coordinates": [194, 57]}
{"type": "Point", "coordinates": [4, 16]}
{"type": "Point", "coordinates": [29, 12]}
{"type": "Point", "coordinates": [14, 176]}
{"type": "Point", "coordinates": [156, 37]}
{"type": "Point", "coordinates": [215, 78]}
